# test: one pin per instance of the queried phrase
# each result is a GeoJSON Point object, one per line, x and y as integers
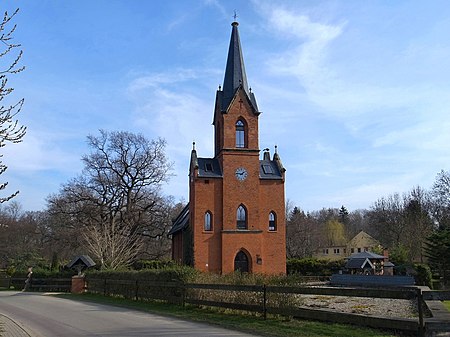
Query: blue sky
{"type": "Point", "coordinates": [355, 94]}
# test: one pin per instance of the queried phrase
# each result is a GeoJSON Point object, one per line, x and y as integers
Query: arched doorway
{"type": "Point", "coordinates": [241, 262]}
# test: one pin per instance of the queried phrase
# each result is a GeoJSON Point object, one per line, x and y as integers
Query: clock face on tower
{"type": "Point", "coordinates": [241, 173]}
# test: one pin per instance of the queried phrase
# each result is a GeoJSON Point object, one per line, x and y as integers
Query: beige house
{"type": "Point", "coordinates": [361, 242]}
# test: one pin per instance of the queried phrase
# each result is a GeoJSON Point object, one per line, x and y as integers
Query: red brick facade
{"type": "Point", "coordinates": [221, 190]}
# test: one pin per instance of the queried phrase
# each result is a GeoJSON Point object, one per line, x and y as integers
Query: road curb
{"type": "Point", "coordinates": [9, 328]}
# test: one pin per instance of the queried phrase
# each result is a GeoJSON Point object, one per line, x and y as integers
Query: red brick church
{"type": "Point", "coordinates": [235, 219]}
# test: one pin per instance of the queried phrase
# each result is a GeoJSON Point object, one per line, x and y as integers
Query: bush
{"type": "Point", "coordinates": [153, 264]}
{"type": "Point", "coordinates": [313, 267]}
{"type": "Point", "coordinates": [423, 275]}
{"type": "Point", "coordinates": [149, 284]}
{"type": "Point", "coordinates": [45, 273]}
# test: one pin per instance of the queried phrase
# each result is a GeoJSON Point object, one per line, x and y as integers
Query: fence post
{"type": "Point", "coordinates": [183, 294]}
{"type": "Point", "coordinates": [264, 302]}
{"type": "Point", "coordinates": [420, 309]}
{"type": "Point", "coordinates": [136, 291]}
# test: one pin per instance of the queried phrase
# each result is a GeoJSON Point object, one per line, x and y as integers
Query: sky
{"type": "Point", "coordinates": [355, 94]}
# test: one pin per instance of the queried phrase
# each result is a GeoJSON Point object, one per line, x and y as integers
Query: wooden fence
{"type": "Point", "coordinates": [265, 299]}
{"type": "Point", "coordinates": [40, 284]}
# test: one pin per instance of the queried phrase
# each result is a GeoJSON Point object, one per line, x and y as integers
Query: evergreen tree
{"type": "Point", "coordinates": [437, 249]}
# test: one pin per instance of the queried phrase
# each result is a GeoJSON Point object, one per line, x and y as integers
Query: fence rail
{"type": "Point", "coordinates": [281, 300]}
{"type": "Point", "coordinates": [40, 284]}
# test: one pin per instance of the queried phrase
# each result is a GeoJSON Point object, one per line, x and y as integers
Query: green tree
{"type": "Point", "coordinates": [10, 130]}
{"type": "Point", "coordinates": [437, 249]}
{"type": "Point", "coordinates": [335, 233]}
{"type": "Point", "coordinates": [343, 215]}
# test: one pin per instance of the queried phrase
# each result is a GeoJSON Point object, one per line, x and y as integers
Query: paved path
{"type": "Point", "coordinates": [38, 315]}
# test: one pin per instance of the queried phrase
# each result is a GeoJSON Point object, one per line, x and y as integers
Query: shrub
{"type": "Point", "coordinates": [153, 284]}
{"type": "Point", "coordinates": [313, 267]}
{"type": "Point", "coordinates": [423, 275]}
{"type": "Point", "coordinates": [153, 264]}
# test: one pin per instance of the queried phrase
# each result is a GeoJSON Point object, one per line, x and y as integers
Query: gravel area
{"type": "Point", "coordinates": [393, 308]}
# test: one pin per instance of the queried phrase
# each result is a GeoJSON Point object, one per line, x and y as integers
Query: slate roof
{"type": "Point", "coordinates": [208, 168]}
{"type": "Point", "coordinates": [365, 255]}
{"type": "Point", "coordinates": [358, 263]}
{"type": "Point", "coordinates": [268, 169]}
{"type": "Point", "coordinates": [235, 75]}
{"type": "Point", "coordinates": [83, 259]}
{"type": "Point", "coordinates": [181, 221]}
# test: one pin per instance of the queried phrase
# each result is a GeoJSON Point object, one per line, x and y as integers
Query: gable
{"type": "Point", "coordinates": [362, 239]}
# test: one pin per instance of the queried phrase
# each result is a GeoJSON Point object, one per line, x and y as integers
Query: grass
{"type": "Point", "coordinates": [447, 305]}
{"type": "Point", "coordinates": [273, 326]}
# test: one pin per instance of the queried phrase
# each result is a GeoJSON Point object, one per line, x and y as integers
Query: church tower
{"type": "Point", "coordinates": [235, 219]}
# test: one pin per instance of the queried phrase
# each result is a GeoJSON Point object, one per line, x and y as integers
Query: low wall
{"type": "Point", "coordinates": [371, 280]}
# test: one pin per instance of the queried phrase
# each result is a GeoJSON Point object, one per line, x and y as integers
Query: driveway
{"type": "Point", "coordinates": [41, 315]}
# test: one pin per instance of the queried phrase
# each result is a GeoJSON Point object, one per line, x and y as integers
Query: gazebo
{"type": "Point", "coordinates": [368, 263]}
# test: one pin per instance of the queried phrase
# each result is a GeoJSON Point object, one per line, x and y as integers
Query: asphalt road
{"type": "Point", "coordinates": [47, 316]}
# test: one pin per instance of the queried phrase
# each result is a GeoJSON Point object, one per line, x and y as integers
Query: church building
{"type": "Point", "coordinates": [235, 219]}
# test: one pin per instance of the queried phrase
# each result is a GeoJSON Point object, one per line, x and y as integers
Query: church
{"type": "Point", "coordinates": [235, 218]}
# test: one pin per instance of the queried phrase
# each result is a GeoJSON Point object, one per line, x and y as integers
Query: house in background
{"type": "Point", "coordinates": [361, 242]}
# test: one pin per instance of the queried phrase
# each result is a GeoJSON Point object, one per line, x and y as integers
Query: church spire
{"type": "Point", "coordinates": [235, 75]}
{"type": "Point", "coordinates": [235, 70]}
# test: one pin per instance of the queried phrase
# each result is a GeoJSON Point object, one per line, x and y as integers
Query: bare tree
{"type": "Point", "coordinates": [441, 199]}
{"type": "Point", "coordinates": [386, 216]}
{"type": "Point", "coordinates": [10, 130]}
{"type": "Point", "coordinates": [302, 234]}
{"type": "Point", "coordinates": [117, 198]}
{"type": "Point", "coordinates": [419, 224]}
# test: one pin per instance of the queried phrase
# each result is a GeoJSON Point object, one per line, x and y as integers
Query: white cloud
{"type": "Point", "coordinates": [170, 106]}
{"type": "Point", "coordinates": [40, 152]}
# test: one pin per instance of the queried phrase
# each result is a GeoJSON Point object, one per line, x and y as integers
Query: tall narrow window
{"type": "Point", "coordinates": [240, 134]}
{"type": "Point", "coordinates": [241, 217]}
{"type": "Point", "coordinates": [208, 226]}
{"type": "Point", "coordinates": [272, 221]}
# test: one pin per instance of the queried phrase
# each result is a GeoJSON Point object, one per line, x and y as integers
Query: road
{"type": "Point", "coordinates": [48, 316]}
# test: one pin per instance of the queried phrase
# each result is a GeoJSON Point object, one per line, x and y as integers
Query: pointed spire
{"type": "Point", "coordinates": [235, 70]}
{"type": "Point", "coordinates": [194, 159]}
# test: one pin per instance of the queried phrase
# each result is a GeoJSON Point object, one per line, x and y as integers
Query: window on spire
{"type": "Point", "coordinates": [240, 134]}
{"type": "Point", "coordinates": [241, 217]}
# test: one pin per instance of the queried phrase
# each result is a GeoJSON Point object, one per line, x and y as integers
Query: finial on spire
{"type": "Point", "coordinates": [193, 146]}
{"type": "Point", "coordinates": [276, 149]}
{"type": "Point", "coordinates": [235, 23]}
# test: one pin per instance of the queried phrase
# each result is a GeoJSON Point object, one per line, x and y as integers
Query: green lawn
{"type": "Point", "coordinates": [447, 304]}
{"type": "Point", "coordinates": [271, 327]}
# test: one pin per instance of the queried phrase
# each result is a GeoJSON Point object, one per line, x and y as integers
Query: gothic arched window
{"type": "Point", "coordinates": [241, 218]}
{"type": "Point", "coordinates": [240, 134]}
{"type": "Point", "coordinates": [208, 221]}
{"type": "Point", "coordinates": [272, 221]}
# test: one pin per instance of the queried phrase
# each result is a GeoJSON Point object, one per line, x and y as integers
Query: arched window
{"type": "Point", "coordinates": [208, 222]}
{"type": "Point", "coordinates": [240, 134]}
{"type": "Point", "coordinates": [241, 217]}
{"type": "Point", "coordinates": [272, 221]}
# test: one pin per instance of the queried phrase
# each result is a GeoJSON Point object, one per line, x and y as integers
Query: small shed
{"type": "Point", "coordinates": [81, 263]}
{"type": "Point", "coordinates": [367, 263]}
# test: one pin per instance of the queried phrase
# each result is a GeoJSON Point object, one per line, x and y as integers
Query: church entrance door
{"type": "Point", "coordinates": [241, 262]}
